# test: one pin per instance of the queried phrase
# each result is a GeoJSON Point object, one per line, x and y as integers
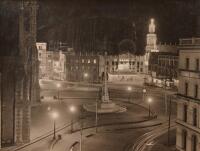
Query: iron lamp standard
{"type": "Point", "coordinates": [143, 94]}
{"type": "Point", "coordinates": [58, 88]}
{"type": "Point", "coordinates": [149, 103]}
{"type": "Point", "coordinates": [85, 76]}
{"type": "Point", "coordinates": [54, 117]}
{"type": "Point", "coordinates": [129, 88]}
{"type": "Point", "coordinates": [72, 110]}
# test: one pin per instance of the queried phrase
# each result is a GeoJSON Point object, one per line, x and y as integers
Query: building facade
{"type": "Point", "coordinates": [83, 68]}
{"type": "Point", "coordinates": [188, 113]}
{"type": "Point", "coordinates": [164, 69]}
{"type": "Point", "coordinates": [19, 71]}
{"type": "Point", "coordinates": [52, 63]}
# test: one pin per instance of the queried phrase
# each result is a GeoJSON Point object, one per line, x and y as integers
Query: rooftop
{"type": "Point", "coordinates": [189, 42]}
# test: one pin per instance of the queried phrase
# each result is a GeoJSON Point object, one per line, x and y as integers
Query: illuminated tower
{"type": "Point", "coordinates": [151, 44]}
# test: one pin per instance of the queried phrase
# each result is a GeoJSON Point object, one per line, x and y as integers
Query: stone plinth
{"type": "Point", "coordinates": [104, 107]}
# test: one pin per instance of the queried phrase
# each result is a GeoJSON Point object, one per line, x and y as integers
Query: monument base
{"type": "Point", "coordinates": [104, 107]}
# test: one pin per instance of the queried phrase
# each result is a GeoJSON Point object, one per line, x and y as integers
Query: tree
{"type": "Point", "coordinates": [127, 45]}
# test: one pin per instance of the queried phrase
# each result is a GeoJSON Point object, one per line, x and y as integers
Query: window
{"type": "Point", "coordinates": [194, 117]}
{"type": "Point", "coordinates": [88, 60]}
{"type": "Point", "coordinates": [113, 63]}
{"type": "Point", "coordinates": [95, 61]}
{"type": "Point", "coordinates": [185, 113]}
{"type": "Point", "coordinates": [197, 64]}
{"type": "Point", "coordinates": [40, 47]}
{"type": "Point", "coordinates": [194, 143]}
{"type": "Point", "coordinates": [141, 63]}
{"type": "Point", "coordinates": [186, 88]}
{"type": "Point", "coordinates": [184, 139]}
{"type": "Point", "coordinates": [82, 60]}
{"type": "Point", "coordinates": [138, 64]}
{"type": "Point", "coordinates": [187, 63]}
{"type": "Point", "coordinates": [107, 62]}
{"type": "Point", "coordinates": [196, 91]}
{"type": "Point", "coordinates": [141, 69]}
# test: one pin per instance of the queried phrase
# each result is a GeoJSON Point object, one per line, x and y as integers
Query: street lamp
{"type": "Point", "coordinates": [129, 88]}
{"type": "Point", "coordinates": [149, 102]}
{"type": "Point", "coordinates": [143, 94]}
{"type": "Point", "coordinates": [58, 85]}
{"type": "Point", "coordinates": [85, 76]}
{"type": "Point", "coordinates": [72, 110]}
{"type": "Point", "coordinates": [54, 117]}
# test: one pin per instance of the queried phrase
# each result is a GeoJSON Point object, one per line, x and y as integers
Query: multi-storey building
{"type": "Point", "coordinates": [83, 67]}
{"type": "Point", "coordinates": [188, 107]}
{"type": "Point", "coordinates": [52, 63]}
{"type": "Point", "coordinates": [42, 57]}
{"type": "Point", "coordinates": [164, 68]}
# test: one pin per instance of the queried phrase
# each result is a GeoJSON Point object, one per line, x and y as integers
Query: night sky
{"type": "Point", "coordinates": [174, 18]}
{"type": "Point", "coordinates": [72, 21]}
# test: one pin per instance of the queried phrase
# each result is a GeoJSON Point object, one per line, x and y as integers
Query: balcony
{"type": "Point", "coordinates": [188, 98]}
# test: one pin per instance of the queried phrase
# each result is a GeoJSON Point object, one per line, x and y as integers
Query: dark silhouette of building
{"type": "Point", "coordinates": [19, 87]}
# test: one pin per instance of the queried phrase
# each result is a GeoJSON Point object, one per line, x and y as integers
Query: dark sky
{"type": "Point", "coordinates": [174, 18]}
{"type": "Point", "coordinates": [58, 19]}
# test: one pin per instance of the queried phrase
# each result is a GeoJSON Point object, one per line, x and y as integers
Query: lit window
{"type": "Point", "coordinates": [88, 60]}
{"type": "Point", "coordinates": [95, 61]}
{"type": "Point", "coordinates": [82, 60]}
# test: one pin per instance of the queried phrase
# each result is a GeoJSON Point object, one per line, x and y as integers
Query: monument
{"type": "Point", "coordinates": [104, 105]}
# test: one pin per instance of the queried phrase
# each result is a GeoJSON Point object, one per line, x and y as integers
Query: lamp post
{"type": "Point", "coordinates": [85, 76]}
{"type": "Point", "coordinates": [169, 121]}
{"type": "Point", "coordinates": [129, 88]}
{"type": "Point", "coordinates": [149, 103]}
{"type": "Point", "coordinates": [54, 116]}
{"type": "Point", "coordinates": [72, 110]}
{"type": "Point", "coordinates": [143, 94]}
{"type": "Point", "coordinates": [96, 117]}
{"type": "Point", "coordinates": [58, 88]}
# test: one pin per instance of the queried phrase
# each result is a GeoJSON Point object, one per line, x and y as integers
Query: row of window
{"type": "Point", "coordinates": [121, 62]}
{"type": "Point", "coordinates": [194, 115]}
{"type": "Point", "coordinates": [83, 67]}
{"type": "Point", "coordinates": [196, 90]}
{"type": "Point", "coordinates": [194, 143]}
{"type": "Point", "coordinates": [85, 61]}
{"type": "Point", "coordinates": [168, 62]}
{"type": "Point", "coordinates": [187, 64]}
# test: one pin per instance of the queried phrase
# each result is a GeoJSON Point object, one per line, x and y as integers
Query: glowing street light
{"type": "Point", "coordinates": [129, 88]}
{"type": "Point", "coordinates": [54, 115]}
{"type": "Point", "coordinates": [85, 75]}
{"type": "Point", "coordinates": [149, 102]}
{"type": "Point", "coordinates": [72, 110]}
{"type": "Point", "coordinates": [143, 94]}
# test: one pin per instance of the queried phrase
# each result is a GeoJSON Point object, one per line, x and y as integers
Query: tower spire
{"type": "Point", "coordinates": [152, 26]}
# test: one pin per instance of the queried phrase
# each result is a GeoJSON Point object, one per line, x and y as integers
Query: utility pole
{"type": "Point", "coordinates": [169, 121]}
